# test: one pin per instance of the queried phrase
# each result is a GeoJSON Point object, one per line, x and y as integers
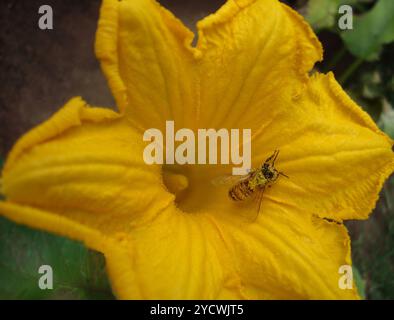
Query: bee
{"type": "Point", "coordinates": [253, 184]}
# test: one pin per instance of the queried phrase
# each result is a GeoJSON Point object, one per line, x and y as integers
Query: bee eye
{"type": "Point", "coordinates": [269, 175]}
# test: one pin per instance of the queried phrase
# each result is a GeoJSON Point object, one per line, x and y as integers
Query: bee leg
{"type": "Point", "coordinates": [276, 153]}
{"type": "Point", "coordinates": [282, 174]}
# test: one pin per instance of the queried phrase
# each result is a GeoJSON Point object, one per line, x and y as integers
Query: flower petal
{"type": "Point", "coordinates": [255, 53]}
{"type": "Point", "coordinates": [336, 157]}
{"type": "Point", "coordinates": [287, 254]}
{"type": "Point", "coordinates": [146, 55]}
{"type": "Point", "coordinates": [176, 256]}
{"type": "Point", "coordinates": [85, 165]}
{"type": "Point", "coordinates": [245, 52]}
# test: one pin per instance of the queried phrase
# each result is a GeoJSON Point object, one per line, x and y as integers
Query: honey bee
{"type": "Point", "coordinates": [253, 184]}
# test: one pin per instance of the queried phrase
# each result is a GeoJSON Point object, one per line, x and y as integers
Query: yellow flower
{"type": "Point", "coordinates": [165, 231]}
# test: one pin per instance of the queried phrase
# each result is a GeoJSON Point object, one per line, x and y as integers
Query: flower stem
{"type": "Point", "coordinates": [350, 70]}
{"type": "Point", "coordinates": [334, 60]}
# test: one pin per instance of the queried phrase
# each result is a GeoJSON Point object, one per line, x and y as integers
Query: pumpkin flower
{"type": "Point", "coordinates": [166, 231]}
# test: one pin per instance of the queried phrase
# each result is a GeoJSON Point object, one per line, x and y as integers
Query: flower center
{"type": "Point", "coordinates": [176, 183]}
{"type": "Point", "coordinates": [192, 187]}
{"type": "Point", "coordinates": [176, 180]}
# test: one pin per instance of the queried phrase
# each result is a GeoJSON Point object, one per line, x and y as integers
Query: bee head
{"type": "Point", "coordinates": [269, 172]}
{"type": "Point", "coordinates": [268, 168]}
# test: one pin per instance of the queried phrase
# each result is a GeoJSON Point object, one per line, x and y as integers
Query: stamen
{"type": "Point", "coordinates": [175, 182]}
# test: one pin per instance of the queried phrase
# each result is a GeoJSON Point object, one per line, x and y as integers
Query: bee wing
{"type": "Point", "coordinates": [228, 180]}
{"type": "Point", "coordinates": [252, 206]}
{"type": "Point", "coordinates": [259, 201]}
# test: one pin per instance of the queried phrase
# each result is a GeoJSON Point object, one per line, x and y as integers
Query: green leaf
{"type": "Point", "coordinates": [322, 14]}
{"type": "Point", "coordinates": [360, 284]}
{"type": "Point", "coordinates": [78, 273]}
{"type": "Point", "coordinates": [371, 31]}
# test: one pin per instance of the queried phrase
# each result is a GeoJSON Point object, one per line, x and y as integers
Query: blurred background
{"type": "Point", "coordinates": [41, 70]}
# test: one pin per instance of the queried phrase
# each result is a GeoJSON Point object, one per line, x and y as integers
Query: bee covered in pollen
{"type": "Point", "coordinates": [253, 184]}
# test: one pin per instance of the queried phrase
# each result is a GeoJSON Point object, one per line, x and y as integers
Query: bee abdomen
{"type": "Point", "coordinates": [240, 191]}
